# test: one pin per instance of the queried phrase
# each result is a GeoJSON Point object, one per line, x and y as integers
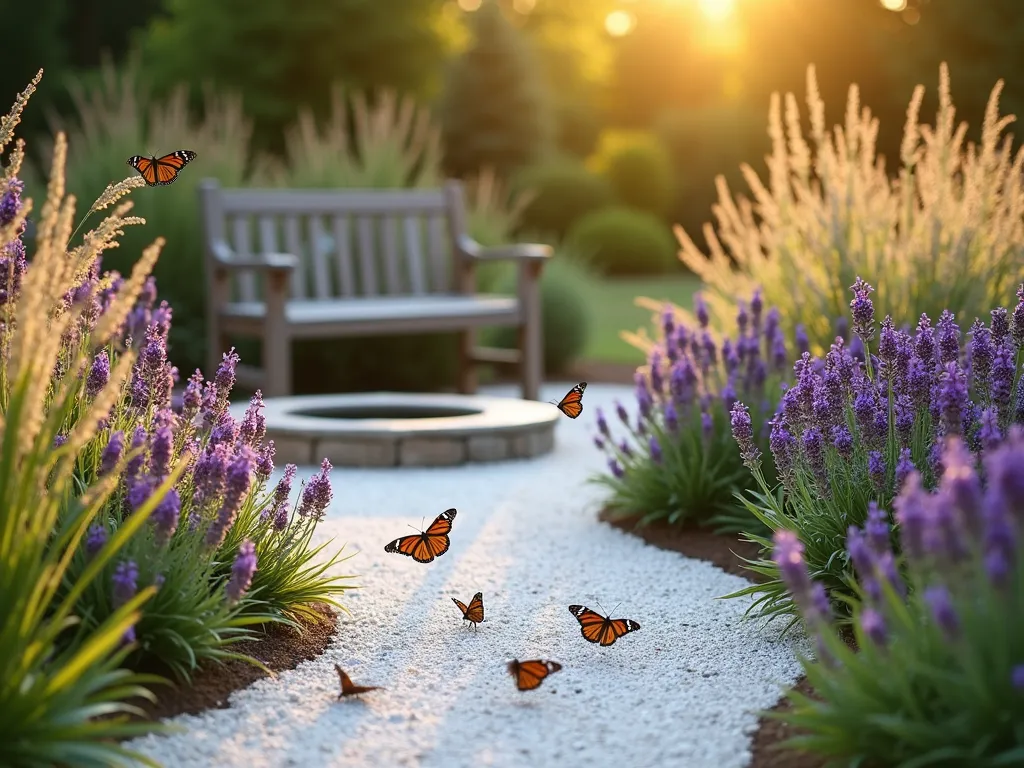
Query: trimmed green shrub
{"type": "Point", "coordinates": [563, 307]}
{"type": "Point", "coordinates": [494, 111]}
{"type": "Point", "coordinates": [562, 191]}
{"type": "Point", "coordinates": [623, 241]}
{"type": "Point", "coordinates": [639, 168]}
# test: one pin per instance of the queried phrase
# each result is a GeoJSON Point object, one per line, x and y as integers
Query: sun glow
{"type": "Point", "coordinates": [717, 10]}
{"type": "Point", "coordinates": [894, 5]}
{"type": "Point", "coordinates": [619, 23]}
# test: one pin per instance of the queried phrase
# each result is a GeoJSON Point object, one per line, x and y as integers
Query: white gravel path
{"type": "Point", "coordinates": [681, 691]}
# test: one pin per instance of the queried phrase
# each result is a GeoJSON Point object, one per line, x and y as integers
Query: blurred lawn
{"type": "Point", "coordinates": [612, 310]}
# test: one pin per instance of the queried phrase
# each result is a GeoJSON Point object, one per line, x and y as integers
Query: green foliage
{"type": "Point", "coordinates": [561, 191]}
{"type": "Point", "coordinates": [639, 168]}
{"type": "Point", "coordinates": [624, 241]}
{"type": "Point", "coordinates": [566, 316]}
{"type": "Point", "coordinates": [679, 461]}
{"type": "Point", "coordinates": [938, 676]}
{"type": "Point", "coordinates": [284, 57]}
{"type": "Point", "coordinates": [941, 234]}
{"type": "Point", "coordinates": [494, 111]}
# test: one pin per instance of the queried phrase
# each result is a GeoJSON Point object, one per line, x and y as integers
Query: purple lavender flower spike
{"type": "Point", "coordinates": [949, 338]}
{"type": "Point", "coordinates": [989, 434]}
{"type": "Point", "coordinates": [862, 309]}
{"type": "Point", "coordinates": [842, 441]}
{"type": "Point", "coordinates": [99, 375]}
{"type": "Point", "coordinates": [625, 450]}
{"type": "Point", "coordinates": [1000, 326]}
{"type": "Point", "coordinates": [671, 418]}
{"type": "Point", "coordinates": [226, 430]}
{"type": "Point", "coordinates": [236, 486]}
{"type": "Point", "coordinates": [135, 464]}
{"type": "Point", "coordinates": [192, 397]}
{"type": "Point", "coordinates": [598, 443]}
{"type": "Point", "coordinates": [981, 354]}
{"type": "Point", "coordinates": [124, 582]}
{"type": "Point", "coordinates": [1002, 376]}
{"type": "Point", "coordinates": [657, 374]}
{"type": "Point", "coordinates": [803, 345]}
{"type": "Point", "coordinates": [602, 423]}
{"type": "Point", "coordinates": [1004, 478]}
{"type": "Point", "coordinates": [742, 318]}
{"type": "Point", "coordinates": [783, 447]}
{"type": "Point", "coordinates": [616, 469]}
{"type": "Point", "coordinates": [912, 512]}
{"type": "Point", "coordinates": [265, 460]}
{"type": "Point", "coordinates": [620, 410]}
{"type": "Point", "coordinates": [771, 321]}
{"type": "Point", "coordinates": [941, 605]}
{"type": "Point", "coordinates": [280, 513]}
{"type": "Point", "coordinates": [887, 342]}
{"type": "Point", "coordinates": [242, 571]}
{"type": "Point", "coordinates": [743, 433]}
{"type": "Point", "coordinates": [1017, 320]}
{"type": "Point", "coordinates": [112, 453]}
{"type": "Point", "coordinates": [668, 321]}
{"type": "Point", "coordinates": [756, 305]}
{"type": "Point", "coordinates": [160, 452]}
{"type": "Point", "coordinates": [788, 553]}
{"type": "Point", "coordinates": [904, 467]}
{"type": "Point", "coordinates": [707, 424]}
{"type": "Point", "coordinates": [701, 310]}
{"type": "Point", "coordinates": [655, 450]}
{"type": "Point", "coordinates": [905, 416]}
{"type": "Point", "coordinates": [317, 494]}
{"type": "Point", "coordinates": [254, 426]}
{"type": "Point", "coordinates": [951, 399]}
{"type": "Point", "coordinates": [814, 450]}
{"type": "Point", "coordinates": [728, 394]}
{"type": "Point", "coordinates": [876, 470]}
{"type": "Point", "coordinates": [284, 485]}
{"type": "Point", "coordinates": [165, 516]}
{"type": "Point", "coordinates": [1000, 542]}
{"type": "Point", "coordinates": [209, 475]}
{"type": "Point", "coordinates": [95, 538]}
{"type": "Point", "coordinates": [924, 341]}
{"type": "Point", "coordinates": [919, 383]}
{"type": "Point", "coordinates": [857, 349]}
{"type": "Point", "coordinates": [873, 626]}
{"type": "Point", "coordinates": [643, 396]}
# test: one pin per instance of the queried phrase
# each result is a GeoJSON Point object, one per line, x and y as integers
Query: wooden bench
{"type": "Point", "coordinates": [358, 263]}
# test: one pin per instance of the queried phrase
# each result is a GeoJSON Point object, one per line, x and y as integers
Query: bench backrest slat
{"type": "Point", "coordinates": [348, 242]}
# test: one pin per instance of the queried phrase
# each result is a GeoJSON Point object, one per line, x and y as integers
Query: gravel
{"type": "Point", "coordinates": [681, 691]}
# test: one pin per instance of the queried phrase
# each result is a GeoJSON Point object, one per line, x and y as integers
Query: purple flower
{"type": "Point", "coordinates": [919, 383]}
{"type": "Point", "coordinates": [165, 516]}
{"type": "Point", "coordinates": [625, 450]}
{"type": "Point", "coordinates": [842, 441]}
{"type": "Point", "coordinates": [192, 397]}
{"type": "Point", "coordinates": [1000, 326]}
{"type": "Point", "coordinates": [209, 475]}
{"type": "Point", "coordinates": [756, 305]}
{"type": "Point", "coordinates": [949, 338]}
{"type": "Point", "coordinates": [904, 467]}
{"type": "Point", "coordinates": [981, 354]}
{"type": "Point", "coordinates": [873, 626]}
{"type": "Point", "coordinates": [598, 443]}
{"type": "Point", "coordinates": [668, 321]}
{"type": "Point", "coordinates": [803, 345]}
{"type": "Point", "coordinates": [160, 452]}
{"type": "Point", "coordinates": [1005, 480]}
{"type": "Point", "coordinates": [728, 394]}
{"type": "Point", "coordinates": [10, 201]}
{"type": "Point", "coordinates": [814, 450]}
{"type": "Point", "coordinates": [887, 342]}
{"type": "Point", "coordinates": [1017, 677]}
{"type": "Point", "coordinates": [112, 453]}
{"type": "Point", "coordinates": [912, 513]}
{"type": "Point", "coordinates": [616, 469]}
{"type": "Point", "coordinates": [1017, 321]}
{"type": "Point", "coordinates": [95, 538]}
{"type": "Point", "coordinates": [236, 486]}
{"type": "Point", "coordinates": [657, 375]}
{"type": "Point", "coordinates": [941, 606]}
{"type": "Point", "coordinates": [743, 433]}
{"type": "Point", "coordinates": [135, 464]}
{"type": "Point", "coordinates": [989, 434]}
{"type": "Point", "coordinates": [242, 571]}
{"type": "Point", "coordinates": [226, 430]}
{"type": "Point", "coordinates": [876, 471]}
{"type": "Point", "coordinates": [783, 447]}
{"type": "Point", "coordinates": [655, 449]}
{"type": "Point", "coordinates": [905, 415]}
{"type": "Point", "coordinates": [1002, 376]}
{"type": "Point", "coordinates": [707, 424]}
{"type": "Point", "coordinates": [862, 309]}
{"type": "Point", "coordinates": [317, 494]}
{"type": "Point", "coordinates": [99, 375]}
{"type": "Point", "coordinates": [124, 582]}
{"type": "Point", "coordinates": [265, 460]}
{"type": "Point", "coordinates": [924, 340]}
{"type": "Point", "coordinates": [742, 318]}
{"type": "Point", "coordinates": [284, 485]}
{"type": "Point", "coordinates": [602, 423]}
{"type": "Point", "coordinates": [254, 426]}
{"type": "Point", "coordinates": [709, 348]}
{"type": "Point", "coordinates": [701, 310]}
{"type": "Point", "coordinates": [620, 410]}
{"type": "Point", "coordinates": [671, 418]}
{"type": "Point", "coordinates": [788, 553]}
{"type": "Point", "coordinates": [951, 399]}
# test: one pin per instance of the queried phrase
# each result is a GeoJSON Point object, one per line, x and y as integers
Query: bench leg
{"type": "Point", "coordinates": [531, 332]}
{"type": "Point", "coordinates": [467, 374]}
{"type": "Point", "coordinates": [277, 365]}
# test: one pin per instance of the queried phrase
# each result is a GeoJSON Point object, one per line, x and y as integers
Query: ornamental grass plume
{"type": "Point", "coordinates": [679, 459]}
{"type": "Point", "coordinates": [938, 618]}
{"type": "Point", "coordinates": [945, 231]}
{"type": "Point", "coordinates": [854, 428]}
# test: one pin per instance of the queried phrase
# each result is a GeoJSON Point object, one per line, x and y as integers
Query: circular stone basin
{"type": "Point", "coordinates": [391, 429]}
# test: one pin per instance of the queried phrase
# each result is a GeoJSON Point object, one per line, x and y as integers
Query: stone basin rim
{"type": "Point", "coordinates": [495, 415]}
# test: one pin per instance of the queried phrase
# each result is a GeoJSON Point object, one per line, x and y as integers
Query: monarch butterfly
{"type": "Point", "coordinates": [161, 170]}
{"type": "Point", "coordinates": [572, 404]}
{"type": "Point", "coordinates": [530, 674]}
{"type": "Point", "coordinates": [425, 546]}
{"type": "Point", "coordinates": [474, 612]}
{"type": "Point", "coordinates": [348, 688]}
{"type": "Point", "coordinates": [601, 629]}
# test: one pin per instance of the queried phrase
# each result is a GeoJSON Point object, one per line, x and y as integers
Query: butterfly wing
{"type": "Point", "coordinates": [475, 612]}
{"type": "Point", "coordinates": [592, 625]}
{"type": "Point", "coordinates": [530, 674]}
{"type": "Point", "coordinates": [146, 166]}
{"type": "Point", "coordinates": [167, 167]}
{"type": "Point", "coordinates": [414, 546]}
{"type": "Point", "coordinates": [616, 628]}
{"type": "Point", "coordinates": [348, 688]}
{"type": "Point", "coordinates": [424, 547]}
{"type": "Point", "coordinates": [572, 404]}
{"type": "Point", "coordinates": [462, 607]}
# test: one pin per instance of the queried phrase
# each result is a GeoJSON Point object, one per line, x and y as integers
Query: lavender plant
{"type": "Point", "coordinates": [938, 677]}
{"type": "Point", "coordinates": [857, 423]}
{"type": "Point", "coordinates": [677, 459]}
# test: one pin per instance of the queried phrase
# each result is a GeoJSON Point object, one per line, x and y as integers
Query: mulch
{"type": "Point", "coordinates": [725, 552]}
{"type": "Point", "coordinates": [278, 647]}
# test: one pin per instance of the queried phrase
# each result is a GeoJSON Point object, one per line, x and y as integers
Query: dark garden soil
{"type": "Point", "coordinates": [723, 551]}
{"type": "Point", "coordinates": [278, 647]}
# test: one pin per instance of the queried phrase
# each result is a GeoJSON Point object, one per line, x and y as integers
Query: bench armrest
{"type": "Point", "coordinates": [225, 258]}
{"type": "Point", "coordinates": [514, 252]}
